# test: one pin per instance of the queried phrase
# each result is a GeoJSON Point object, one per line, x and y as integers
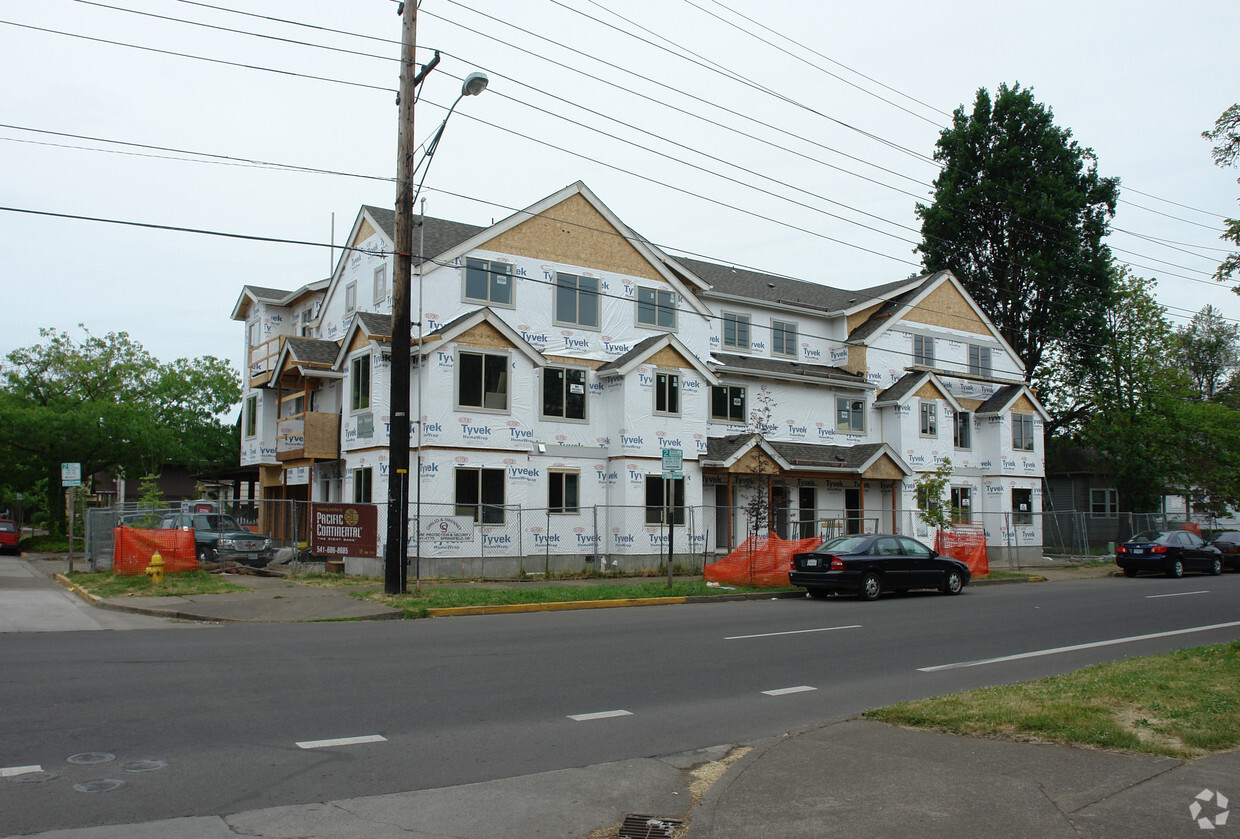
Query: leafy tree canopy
{"type": "Point", "coordinates": [107, 403]}
{"type": "Point", "coordinates": [1209, 350]}
{"type": "Point", "coordinates": [1019, 215]}
{"type": "Point", "coordinates": [1226, 152]}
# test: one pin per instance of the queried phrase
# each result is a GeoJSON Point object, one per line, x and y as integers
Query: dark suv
{"type": "Point", "coordinates": [218, 537]}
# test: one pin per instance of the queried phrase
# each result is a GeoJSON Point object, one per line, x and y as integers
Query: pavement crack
{"type": "Point", "coordinates": [1134, 785]}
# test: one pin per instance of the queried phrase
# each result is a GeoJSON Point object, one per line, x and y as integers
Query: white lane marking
{"type": "Point", "coordinates": [785, 691]}
{"type": "Point", "coordinates": [791, 632]}
{"type": "Point", "coordinates": [11, 771]}
{"type": "Point", "coordinates": [599, 715]}
{"type": "Point", "coordinates": [341, 741]}
{"type": "Point", "coordinates": [1076, 647]}
{"type": "Point", "coordinates": [1177, 594]}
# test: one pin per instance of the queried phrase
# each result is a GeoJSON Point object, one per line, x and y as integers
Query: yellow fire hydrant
{"type": "Point", "coordinates": [156, 569]}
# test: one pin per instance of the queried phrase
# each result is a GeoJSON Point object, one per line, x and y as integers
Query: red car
{"type": "Point", "coordinates": [8, 537]}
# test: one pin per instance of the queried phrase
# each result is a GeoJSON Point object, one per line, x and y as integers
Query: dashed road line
{"type": "Point", "coordinates": [599, 715]}
{"type": "Point", "coordinates": [791, 632]}
{"type": "Point", "coordinates": [14, 771]}
{"type": "Point", "coordinates": [786, 691]}
{"type": "Point", "coordinates": [341, 741]}
{"type": "Point", "coordinates": [1177, 594]}
{"type": "Point", "coordinates": [1091, 645]}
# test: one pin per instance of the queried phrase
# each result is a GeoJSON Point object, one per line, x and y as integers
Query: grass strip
{"type": "Point", "coordinates": [415, 603]}
{"type": "Point", "coordinates": [1183, 705]}
{"type": "Point", "coordinates": [140, 585]}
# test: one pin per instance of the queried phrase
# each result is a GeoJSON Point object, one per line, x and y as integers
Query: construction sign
{"type": "Point", "coordinates": [338, 530]}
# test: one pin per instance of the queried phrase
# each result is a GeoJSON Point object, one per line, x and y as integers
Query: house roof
{"type": "Point", "coordinates": [467, 321]}
{"type": "Point", "coordinates": [311, 350]}
{"type": "Point", "coordinates": [759, 366]}
{"type": "Point", "coordinates": [1002, 399]}
{"type": "Point", "coordinates": [276, 296]}
{"type": "Point", "coordinates": [725, 451]}
{"type": "Point", "coordinates": [771, 288]}
{"type": "Point", "coordinates": [648, 347]}
{"type": "Point", "coordinates": [377, 325]}
{"type": "Point", "coordinates": [908, 384]}
{"type": "Point", "coordinates": [438, 235]}
{"type": "Point", "coordinates": [894, 306]}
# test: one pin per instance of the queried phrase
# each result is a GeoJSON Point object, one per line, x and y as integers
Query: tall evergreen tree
{"type": "Point", "coordinates": [1019, 215]}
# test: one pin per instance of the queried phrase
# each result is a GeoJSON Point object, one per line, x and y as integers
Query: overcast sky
{"type": "Point", "coordinates": [802, 157]}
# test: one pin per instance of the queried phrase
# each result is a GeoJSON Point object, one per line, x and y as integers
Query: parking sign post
{"type": "Point", "coordinates": [673, 470]}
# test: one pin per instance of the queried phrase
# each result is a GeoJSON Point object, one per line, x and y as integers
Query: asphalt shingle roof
{"type": "Point", "coordinates": [312, 350]}
{"type": "Point", "coordinates": [638, 349]}
{"type": "Point", "coordinates": [888, 310]}
{"type": "Point", "coordinates": [902, 387]}
{"type": "Point", "coordinates": [376, 324]}
{"type": "Point", "coordinates": [759, 364]}
{"type": "Point", "coordinates": [843, 458]}
{"type": "Point", "coordinates": [441, 234]}
{"type": "Point", "coordinates": [1000, 400]}
{"type": "Point", "coordinates": [755, 285]}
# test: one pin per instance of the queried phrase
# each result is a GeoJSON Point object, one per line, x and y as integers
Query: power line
{"type": "Point", "coordinates": [196, 57]}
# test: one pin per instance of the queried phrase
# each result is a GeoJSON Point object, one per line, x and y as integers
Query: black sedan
{"type": "Point", "coordinates": [1170, 552]}
{"type": "Point", "coordinates": [869, 565]}
{"type": "Point", "coordinates": [1228, 543]}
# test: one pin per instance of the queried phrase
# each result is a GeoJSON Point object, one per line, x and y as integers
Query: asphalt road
{"type": "Point", "coordinates": [209, 722]}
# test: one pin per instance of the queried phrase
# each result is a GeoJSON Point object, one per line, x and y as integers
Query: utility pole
{"type": "Point", "coordinates": [397, 549]}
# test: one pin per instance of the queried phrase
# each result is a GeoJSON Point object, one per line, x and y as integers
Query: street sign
{"type": "Point", "coordinates": [673, 463]}
{"type": "Point", "coordinates": [71, 474]}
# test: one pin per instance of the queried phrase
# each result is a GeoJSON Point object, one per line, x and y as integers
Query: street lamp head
{"type": "Point", "coordinates": [474, 84]}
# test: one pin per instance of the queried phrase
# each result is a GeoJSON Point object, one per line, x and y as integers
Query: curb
{"type": "Point", "coordinates": [571, 605]}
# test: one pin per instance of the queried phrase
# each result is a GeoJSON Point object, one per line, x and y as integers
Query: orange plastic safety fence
{"type": "Point", "coordinates": [759, 562]}
{"type": "Point", "coordinates": [133, 548]}
{"type": "Point", "coordinates": [967, 544]}
{"type": "Point", "coordinates": [1192, 527]}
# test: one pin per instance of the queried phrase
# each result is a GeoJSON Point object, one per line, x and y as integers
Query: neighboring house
{"type": "Point", "coordinates": [560, 353]}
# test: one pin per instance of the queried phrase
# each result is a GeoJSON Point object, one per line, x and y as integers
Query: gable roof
{"type": "Point", "coordinates": [275, 296]}
{"type": "Point", "coordinates": [1003, 398]}
{"type": "Point", "coordinates": [455, 327]}
{"type": "Point", "coordinates": [377, 328]}
{"type": "Point", "coordinates": [907, 386]}
{"type": "Point", "coordinates": [774, 368]}
{"type": "Point", "coordinates": [724, 452]}
{"type": "Point", "coordinates": [311, 357]}
{"type": "Point", "coordinates": [437, 234]}
{"type": "Point", "coordinates": [647, 347]}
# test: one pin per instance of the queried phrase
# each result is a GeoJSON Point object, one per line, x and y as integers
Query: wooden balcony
{"type": "Point", "coordinates": [313, 435]}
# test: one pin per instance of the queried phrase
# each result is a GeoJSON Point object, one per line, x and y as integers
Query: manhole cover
{"type": "Point", "coordinates": [88, 758]}
{"type": "Point", "coordinates": [33, 777]}
{"type": "Point", "coordinates": [102, 785]}
{"type": "Point", "coordinates": [637, 826]}
{"type": "Point", "coordinates": [144, 765]}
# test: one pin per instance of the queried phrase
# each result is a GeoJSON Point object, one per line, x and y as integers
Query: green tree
{"type": "Point", "coordinates": [1226, 152]}
{"type": "Point", "coordinates": [931, 490]}
{"type": "Point", "coordinates": [107, 403]}
{"type": "Point", "coordinates": [1019, 215]}
{"type": "Point", "coordinates": [1209, 350]}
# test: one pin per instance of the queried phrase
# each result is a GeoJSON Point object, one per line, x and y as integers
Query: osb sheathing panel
{"type": "Point", "coordinates": [1023, 406]}
{"type": "Point", "coordinates": [575, 362]}
{"type": "Point", "coordinates": [270, 475]}
{"type": "Point", "coordinates": [322, 435]}
{"type": "Point", "coordinates": [946, 307]}
{"type": "Point", "coordinates": [755, 462]}
{"type": "Point", "coordinates": [668, 358]}
{"type": "Point", "coordinates": [486, 336]}
{"type": "Point", "coordinates": [970, 404]}
{"type": "Point", "coordinates": [360, 341]}
{"type": "Point", "coordinates": [856, 360]}
{"type": "Point", "coordinates": [861, 317]}
{"type": "Point", "coordinates": [884, 469]}
{"type": "Point", "coordinates": [574, 233]}
{"type": "Point", "coordinates": [364, 232]}
{"type": "Point", "coordinates": [929, 391]}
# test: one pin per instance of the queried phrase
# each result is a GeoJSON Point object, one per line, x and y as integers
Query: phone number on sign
{"type": "Point", "coordinates": [331, 550]}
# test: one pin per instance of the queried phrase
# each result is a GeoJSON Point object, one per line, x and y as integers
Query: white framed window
{"type": "Point", "coordinates": [480, 493]}
{"type": "Point", "coordinates": [667, 393]}
{"type": "Point", "coordinates": [251, 416]}
{"type": "Point", "coordinates": [962, 505]}
{"type": "Point", "coordinates": [350, 297]}
{"type": "Point", "coordinates": [662, 493]}
{"type": "Point", "coordinates": [363, 484]}
{"type": "Point", "coordinates": [929, 419]}
{"type": "Point", "coordinates": [1022, 432]}
{"type": "Point", "coordinates": [576, 301]}
{"type": "Point", "coordinates": [849, 415]}
{"type": "Point", "coordinates": [488, 281]}
{"type": "Point", "coordinates": [736, 331]}
{"type": "Point", "coordinates": [962, 430]}
{"type": "Point", "coordinates": [783, 338]}
{"type": "Point", "coordinates": [359, 383]}
{"type": "Point", "coordinates": [727, 403]}
{"type": "Point", "coordinates": [1103, 503]}
{"type": "Point", "coordinates": [979, 360]}
{"type": "Point", "coordinates": [923, 350]}
{"type": "Point", "coordinates": [255, 334]}
{"type": "Point", "coordinates": [1022, 506]}
{"type": "Point", "coordinates": [482, 380]}
{"type": "Point", "coordinates": [381, 284]}
{"type": "Point", "coordinates": [564, 392]}
{"type": "Point", "coordinates": [307, 317]}
{"type": "Point", "coordinates": [656, 307]}
{"type": "Point", "coordinates": [564, 492]}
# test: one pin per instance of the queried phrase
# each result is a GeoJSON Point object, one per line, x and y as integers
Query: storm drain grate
{"type": "Point", "coordinates": [637, 826]}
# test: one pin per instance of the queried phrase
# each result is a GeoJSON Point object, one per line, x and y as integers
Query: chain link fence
{"type": "Point", "coordinates": [454, 541]}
